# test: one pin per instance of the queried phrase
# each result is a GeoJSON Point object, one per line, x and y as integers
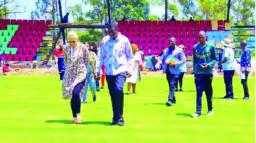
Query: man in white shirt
{"type": "Point", "coordinates": [115, 54]}
{"type": "Point", "coordinates": [228, 66]}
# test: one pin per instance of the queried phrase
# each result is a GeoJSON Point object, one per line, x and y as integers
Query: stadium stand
{"type": "Point", "coordinates": [152, 36]}
{"type": "Point", "coordinates": [20, 39]}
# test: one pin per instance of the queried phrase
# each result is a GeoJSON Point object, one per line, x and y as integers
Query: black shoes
{"type": "Point", "coordinates": [94, 98]}
{"type": "Point", "coordinates": [120, 122]}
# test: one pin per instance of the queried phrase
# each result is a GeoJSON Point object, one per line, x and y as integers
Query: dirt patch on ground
{"type": "Point", "coordinates": [29, 71]}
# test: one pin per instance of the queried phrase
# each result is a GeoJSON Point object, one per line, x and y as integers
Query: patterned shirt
{"type": "Point", "coordinates": [205, 54]}
{"type": "Point", "coordinates": [76, 70]}
{"type": "Point", "coordinates": [115, 54]}
{"type": "Point", "coordinates": [245, 61]}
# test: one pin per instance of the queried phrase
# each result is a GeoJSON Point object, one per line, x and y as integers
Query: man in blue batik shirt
{"type": "Point", "coordinates": [245, 66]}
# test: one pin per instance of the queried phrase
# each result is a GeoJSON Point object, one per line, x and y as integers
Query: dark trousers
{"type": "Point", "coordinates": [203, 83]}
{"type": "Point", "coordinates": [115, 86]}
{"type": "Point", "coordinates": [172, 81]}
{"type": "Point", "coordinates": [75, 100]}
{"type": "Point", "coordinates": [228, 79]}
{"type": "Point", "coordinates": [245, 86]}
{"type": "Point", "coordinates": [97, 82]}
{"type": "Point", "coordinates": [180, 80]}
{"type": "Point", "coordinates": [61, 67]}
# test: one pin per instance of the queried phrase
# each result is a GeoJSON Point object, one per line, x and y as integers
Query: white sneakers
{"type": "Point", "coordinates": [195, 115]}
{"type": "Point", "coordinates": [209, 113]}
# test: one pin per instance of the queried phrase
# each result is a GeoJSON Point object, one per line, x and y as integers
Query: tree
{"type": "Point", "coordinates": [91, 35]}
{"type": "Point", "coordinates": [97, 12]}
{"type": "Point", "coordinates": [77, 13]}
{"type": "Point", "coordinates": [43, 10]}
{"type": "Point", "coordinates": [243, 12]}
{"type": "Point", "coordinates": [5, 11]}
{"type": "Point", "coordinates": [131, 9]}
{"type": "Point", "coordinates": [172, 9]}
{"type": "Point", "coordinates": [213, 9]}
{"type": "Point", "coordinates": [188, 8]}
{"type": "Point", "coordinates": [153, 17]}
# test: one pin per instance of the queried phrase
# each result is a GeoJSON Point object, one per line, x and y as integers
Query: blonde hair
{"type": "Point", "coordinates": [72, 34]}
{"type": "Point", "coordinates": [134, 48]}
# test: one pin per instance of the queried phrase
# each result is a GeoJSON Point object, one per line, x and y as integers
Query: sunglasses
{"type": "Point", "coordinates": [71, 42]}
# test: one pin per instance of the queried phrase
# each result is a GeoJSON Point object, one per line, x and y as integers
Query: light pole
{"type": "Point", "coordinates": [5, 12]}
{"type": "Point", "coordinates": [166, 12]}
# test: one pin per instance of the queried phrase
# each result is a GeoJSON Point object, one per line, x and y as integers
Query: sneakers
{"type": "Point", "coordinates": [196, 115]}
{"type": "Point", "coordinates": [120, 122]}
{"type": "Point", "coordinates": [77, 120]}
{"type": "Point", "coordinates": [169, 103]}
{"type": "Point", "coordinates": [209, 113]}
{"type": "Point", "coordinates": [246, 98]}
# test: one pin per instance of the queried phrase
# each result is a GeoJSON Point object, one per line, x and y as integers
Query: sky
{"type": "Point", "coordinates": [23, 8]}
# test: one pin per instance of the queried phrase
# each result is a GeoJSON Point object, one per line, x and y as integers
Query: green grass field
{"type": "Point", "coordinates": [32, 111]}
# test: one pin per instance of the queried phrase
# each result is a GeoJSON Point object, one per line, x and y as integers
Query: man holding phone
{"type": "Point", "coordinates": [204, 59]}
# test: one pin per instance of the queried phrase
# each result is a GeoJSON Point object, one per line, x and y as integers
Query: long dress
{"type": "Point", "coordinates": [136, 61]}
{"type": "Point", "coordinates": [76, 71]}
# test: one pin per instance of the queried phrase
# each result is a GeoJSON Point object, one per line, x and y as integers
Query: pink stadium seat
{"type": "Point", "coordinates": [23, 58]}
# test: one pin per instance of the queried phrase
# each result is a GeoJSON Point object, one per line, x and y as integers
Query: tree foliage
{"type": "Point", "coordinates": [5, 11]}
{"type": "Point", "coordinates": [43, 10]}
{"type": "Point", "coordinates": [213, 9]}
{"type": "Point", "coordinates": [188, 8]}
{"type": "Point", "coordinates": [131, 9]}
{"type": "Point", "coordinates": [243, 12]}
{"type": "Point", "coordinates": [77, 13]}
{"type": "Point", "coordinates": [172, 9]}
{"type": "Point", "coordinates": [91, 35]}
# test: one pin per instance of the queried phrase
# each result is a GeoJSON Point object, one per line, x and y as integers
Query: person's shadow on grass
{"type": "Point", "coordinates": [184, 114]}
{"type": "Point", "coordinates": [83, 123]}
{"type": "Point", "coordinates": [222, 98]}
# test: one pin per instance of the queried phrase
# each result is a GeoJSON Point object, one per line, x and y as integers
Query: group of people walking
{"type": "Point", "coordinates": [119, 59]}
{"type": "Point", "coordinates": [204, 60]}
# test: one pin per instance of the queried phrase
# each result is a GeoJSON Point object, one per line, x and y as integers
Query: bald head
{"type": "Point", "coordinates": [202, 37]}
{"type": "Point", "coordinates": [172, 41]}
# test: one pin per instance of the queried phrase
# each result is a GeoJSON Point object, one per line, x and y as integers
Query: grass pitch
{"type": "Point", "coordinates": [32, 111]}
